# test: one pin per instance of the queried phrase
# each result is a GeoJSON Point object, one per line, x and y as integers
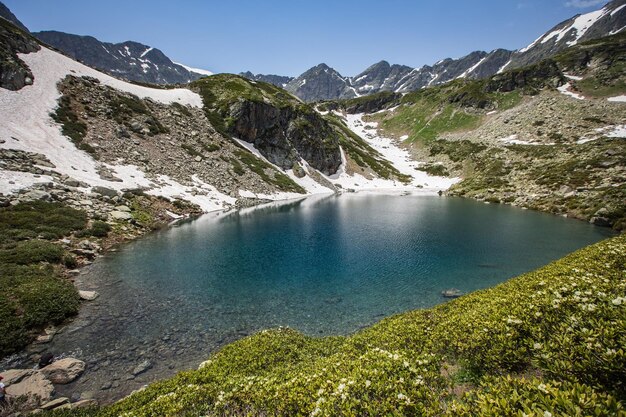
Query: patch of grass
{"type": "Point", "coordinates": [31, 297]}
{"type": "Point", "coordinates": [181, 109]}
{"type": "Point", "coordinates": [549, 340]}
{"type": "Point", "coordinates": [425, 115]}
{"type": "Point", "coordinates": [190, 150]}
{"type": "Point", "coordinates": [457, 151]}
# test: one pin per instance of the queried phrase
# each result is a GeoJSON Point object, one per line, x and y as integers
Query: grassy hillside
{"type": "Point", "coordinates": [549, 342]}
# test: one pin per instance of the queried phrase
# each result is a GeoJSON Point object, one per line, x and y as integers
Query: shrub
{"type": "Point", "coordinates": [32, 251]}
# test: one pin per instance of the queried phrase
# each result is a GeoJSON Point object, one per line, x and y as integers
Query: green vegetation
{"type": "Point", "coordinates": [38, 219]}
{"type": "Point", "coordinates": [438, 170]}
{"type": "Point", "coordinates": [549, 342]}
{"type": "Point", "coordinates": [219, 91]}
{"type": "Point", "coordinates": [583, 167]}
{"type": "Point", "coordinates": [181, 109]}
{"type": "Point", "coordinates": [33, 294]}
{"type": "Point", "coordinates": [190, 150]}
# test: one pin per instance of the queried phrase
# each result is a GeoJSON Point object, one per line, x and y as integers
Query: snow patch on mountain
{"type": "Point", "coordinates": [196, 70]}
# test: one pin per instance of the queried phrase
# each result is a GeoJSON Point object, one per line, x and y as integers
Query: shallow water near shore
{"type": "Point", "coordinates": [323, 265]}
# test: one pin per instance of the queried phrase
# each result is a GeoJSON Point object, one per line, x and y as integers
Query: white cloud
{"type": "Point", "coordinates": [582, 4]}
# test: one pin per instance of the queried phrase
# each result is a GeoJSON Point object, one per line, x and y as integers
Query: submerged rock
{"type": "Point", "coordinates": [88, 295]}
{"type": "Point", "coordinates": [142, 367]}
{"type": "Point", "coordinates": [64, 371]}
{"type": "Point", "coordinates": [32, 386]}
{"type": "Point", "coordinates": [451, 293]}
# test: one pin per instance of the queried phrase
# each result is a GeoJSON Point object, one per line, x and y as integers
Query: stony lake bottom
{"type": "Point", "coordinates": [322, 265]}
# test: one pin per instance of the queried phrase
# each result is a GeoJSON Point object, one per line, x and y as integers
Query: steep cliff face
{"type": "Point", "coordinates": [14, 73]}
{"type": "Point", "coordinates": [282, 128]}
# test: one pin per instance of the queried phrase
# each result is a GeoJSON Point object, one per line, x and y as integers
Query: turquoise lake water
{"type": "Point", "coordinates": [324, 266]}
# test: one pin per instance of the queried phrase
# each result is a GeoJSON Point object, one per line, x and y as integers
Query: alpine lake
{"type": "Point", "coordinates": [328, 265]}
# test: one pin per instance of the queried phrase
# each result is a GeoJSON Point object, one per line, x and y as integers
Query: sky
{"type": "Point", "coordinates": [287, 37]}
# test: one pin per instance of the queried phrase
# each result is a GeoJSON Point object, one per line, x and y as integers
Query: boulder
{"type": "Point", "coordinates": [142, 367]}
{"type": "Point", "coordinates": [120, 215]}
{"type": "Point", "coordinates": [88, 295]}
{"type": "Point", "coordinates": [85, 403]}
{"type": "Point", "coordinates": [50, 405]}
{"type": "Point", "coordinates": [13, 376]}
{"type": "Point", "coordinates": [109, 192]}
{"type": "Point", "coordinates": [64, 371]}
{"type": "Point", "coordinates": [34, 388]}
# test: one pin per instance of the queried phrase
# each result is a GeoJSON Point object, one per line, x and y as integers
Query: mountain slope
{"type": "Point", "coordinates": [128, 60]}
{"type": "Point", "coordinates": [8, 15]}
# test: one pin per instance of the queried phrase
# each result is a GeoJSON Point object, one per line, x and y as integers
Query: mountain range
{"type": "Point", "coordinates": [142, 63]}
{"type": "Point", "coordinates": [324, 83]}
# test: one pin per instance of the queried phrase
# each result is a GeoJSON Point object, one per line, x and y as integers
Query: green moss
{"type": "Point", "coordinates": [563, 323]}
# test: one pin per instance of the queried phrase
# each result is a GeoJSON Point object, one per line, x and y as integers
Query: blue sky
{"type": "Point", "coordinates": [289, 36]}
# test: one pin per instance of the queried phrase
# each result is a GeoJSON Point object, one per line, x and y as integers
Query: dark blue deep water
{"type": "Point", "coordinates": [321, 265]}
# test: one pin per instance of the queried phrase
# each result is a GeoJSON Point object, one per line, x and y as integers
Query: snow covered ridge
{"type": "Point", "coordinates": [196, 70]}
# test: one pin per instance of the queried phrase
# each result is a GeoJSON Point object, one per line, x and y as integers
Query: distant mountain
{"type": "Point", "coordinates": [324, 83]}
{"type": "Point", "coordinates": [278, 80]}
{"type": "Point", "coordinates": [319, 82]}
{"type": "Point", "coordinates": [128, 60]}
{"type": "Point", "coordinates": [8, 15]}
